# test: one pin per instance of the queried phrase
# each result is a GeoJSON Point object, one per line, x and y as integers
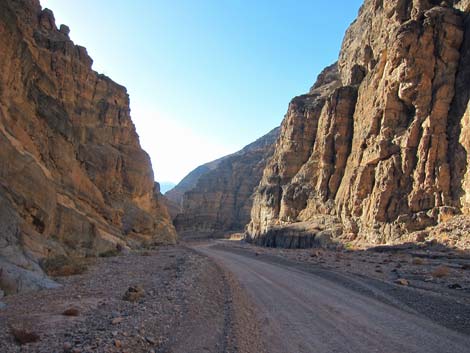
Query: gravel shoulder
{"type": "Point", "coordinates": [244, 333]}
{"type": "Point", "coordinates": [185, 305]}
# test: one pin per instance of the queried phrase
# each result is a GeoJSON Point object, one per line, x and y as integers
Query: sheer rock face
{"type": "Point", "coordinates": [220, 200]}
{"type": "Point", "coordinates": [73, 177]}
{"type": "Point", "coordinates": [174, 197]}
{"type": "Point", "coordinates": [380, 143]}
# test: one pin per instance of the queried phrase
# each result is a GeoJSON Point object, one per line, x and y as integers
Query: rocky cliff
{"type": "Point", "coordinates": [73, 177]}
{"type": "Point", "coordinates": [379, 147]}
{"type": "Point", "coordinates": [217, 195]}
{"type": "Point", "coordinates": [174, 197]}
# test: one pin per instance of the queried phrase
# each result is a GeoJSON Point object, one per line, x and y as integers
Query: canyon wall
{"type": "Point", "coordinates": [218, 197]}
{"type": "Point", "coordinates": [379, 146]}
{"type": "Point", "coordinates": [74, 180]}
{"type": "Point", "coordinates": [174, 198]}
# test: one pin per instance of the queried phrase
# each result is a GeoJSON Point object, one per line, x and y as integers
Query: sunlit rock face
{"type": "Point", "coordinates": [219, 199]}
{"type": "Point", "coordinates": [73, 177]}
{"type": "Point", "coordinates": [379, 146]}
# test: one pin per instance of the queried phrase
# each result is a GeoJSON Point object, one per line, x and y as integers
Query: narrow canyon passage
{"type": "Point", "coordinates": [301, 312]}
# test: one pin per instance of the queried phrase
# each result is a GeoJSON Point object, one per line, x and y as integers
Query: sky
{"type": "Point", "coordinates": [206, 77]}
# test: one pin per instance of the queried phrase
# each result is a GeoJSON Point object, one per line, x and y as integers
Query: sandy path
{"type": "Point", "coordinates": [301, 312]}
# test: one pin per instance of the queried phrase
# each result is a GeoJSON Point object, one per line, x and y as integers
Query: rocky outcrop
{"type": "Point", "coordinates": [379, 145]}
{"type": "Point", "coordinates": [220, 201]}
{"type": "Point", "coordinates": [73, 177]}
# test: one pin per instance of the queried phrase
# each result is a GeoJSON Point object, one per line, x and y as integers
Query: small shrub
{"type": "Point", "coordinates": [61, 265]}
{"type": "Point", "coordinates": [110, 253]}
{"type": "Point", "coordinates": [134, 293]}
{"type": "Point", "coordinates": [444, 237]}
{"type": "Point", "coordinates": [446, 216]}
{"type": "Point", "coordinates": [441, 271]}
{"type": "Point", "coordinates": [421, 237]}
{"type": "Point", "coordinates": [23, 336]}
{"type": "Point", "coordinates": [417, 261]}
{"type": "Point", "coordinates": [71, 312]}
{"type": "Point", "coordinates": [402, 282]}
{"type": "Point", "coordinates": [316, 253]}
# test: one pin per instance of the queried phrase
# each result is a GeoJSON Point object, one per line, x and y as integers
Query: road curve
{"type": "Point", "coordinates": [304, 313]}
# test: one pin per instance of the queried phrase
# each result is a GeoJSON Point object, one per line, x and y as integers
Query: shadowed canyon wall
{"type": "Point", "coordinates": [73, 177]}
{"type": "Point", "coordinates": [174, 197]}
{"type": "Point", "coordinates": [216, 197]}
{"type": "Point", "coordinates": [379, 146]}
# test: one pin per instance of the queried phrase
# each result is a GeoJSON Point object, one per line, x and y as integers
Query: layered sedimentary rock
{"type": "Point", "coordinates": [73, 177]}
{"type": "Point", "coordinates": [174, 198]}
{"type": "Point", "coordinates": [220, 200]}
{"type": "Point", "coordinates": [379, 147]}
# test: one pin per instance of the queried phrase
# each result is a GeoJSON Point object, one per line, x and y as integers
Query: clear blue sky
{"type": "Point", "coordinates": [206, 77]}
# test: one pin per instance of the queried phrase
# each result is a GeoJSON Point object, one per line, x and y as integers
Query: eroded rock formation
{"type": "Point", "coordinates": [174, 197]}
{"type": "Point", "coordinates": [73, 177]}
{"type": "Point", "coordinates": [379, 147]}
{"type": "Point", "coordinates": [218, 199]}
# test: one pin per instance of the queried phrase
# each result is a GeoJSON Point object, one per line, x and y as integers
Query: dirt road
{"type": "Point", "coordinates": [301, 312]}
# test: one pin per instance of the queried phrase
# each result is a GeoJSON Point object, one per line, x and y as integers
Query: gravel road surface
{"type": "Point", "coordinates": [302, 312]}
